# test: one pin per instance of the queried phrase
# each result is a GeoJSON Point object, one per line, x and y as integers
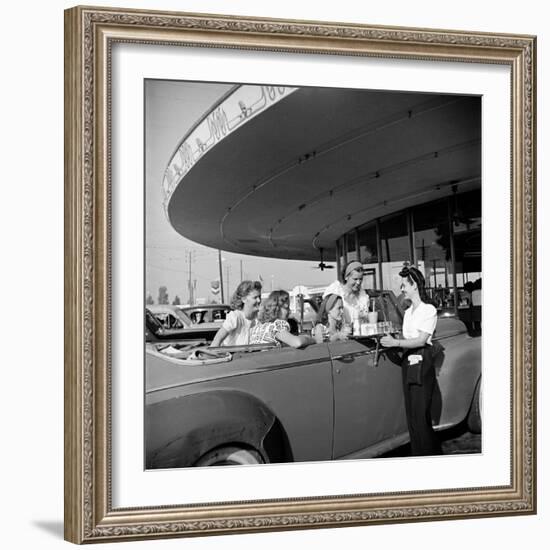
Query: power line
{"type": "Point", "coordinates": [183, 250]}
{"type": "Point", "coordinates": [165, 268]}
{"type": "Point", "coordinates": [198, 274]}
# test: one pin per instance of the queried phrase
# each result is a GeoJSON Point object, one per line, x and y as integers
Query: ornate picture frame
{"type": "Point", "coordinates": [90, 34]}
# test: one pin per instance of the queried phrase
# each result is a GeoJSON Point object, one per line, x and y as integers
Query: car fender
{"type": "Point", "coordinates": [458, 372]}
{"type": "Point", "coordinates": [180, 430]}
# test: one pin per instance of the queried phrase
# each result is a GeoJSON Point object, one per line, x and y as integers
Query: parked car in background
{"type": "Point", "coordinates": [166, 322]}
{"type": "Point", "coordinates": [210, 313]}
{"type": "Point", "coordinates": [270, 404]}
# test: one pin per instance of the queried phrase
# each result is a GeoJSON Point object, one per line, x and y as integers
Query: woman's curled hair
{"type": "Point", "coordinates": [244, 288]}
{"type": "Point", "coordinates": [271, 307]}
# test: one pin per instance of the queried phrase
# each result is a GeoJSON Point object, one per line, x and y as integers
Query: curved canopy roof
{"type": "Point", "coordinates": [295, 174]}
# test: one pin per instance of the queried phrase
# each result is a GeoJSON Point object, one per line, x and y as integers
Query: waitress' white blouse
{"type": "Point", "coordinates": [423, 318]}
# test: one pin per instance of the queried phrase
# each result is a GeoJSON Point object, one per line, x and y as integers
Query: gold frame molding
{"type": "Point", "coordinates": [89, 35]}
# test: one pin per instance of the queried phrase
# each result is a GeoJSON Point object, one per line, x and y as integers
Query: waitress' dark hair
{"type": "Point", "coordinates": [414, 275]}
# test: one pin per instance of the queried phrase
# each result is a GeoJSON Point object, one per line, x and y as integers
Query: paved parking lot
{"type": "Point", "coordinates": [460, 442]}
{"type": "Point", "coordinates": [457, 440]}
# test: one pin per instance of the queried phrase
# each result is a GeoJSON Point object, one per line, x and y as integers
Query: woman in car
{"type": "Point", "coordinates": [355, 299]}
{"type": "Point", "coordinates": [330, 327]}
{"type": "Point", "coordinates": [273, 326]}
{"type": "Point", "coordinates": [418, 371]}
{"type": "Point", "coordinates": [245, 304]}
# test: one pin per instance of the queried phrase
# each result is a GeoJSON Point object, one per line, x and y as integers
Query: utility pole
{"type": "Point", "coordinates": [189, 282]}
{"type": "Point", "coordinates": [241, 270]}
{"type": "Point", "coordinates": [221, 274]}
{"type": "Point", "coordinates": [227, 277]}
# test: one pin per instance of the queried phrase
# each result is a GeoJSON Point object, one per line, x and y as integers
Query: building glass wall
{"type": "Point", "coordinates": [442, 238]}
{"type": "Point", "coordinates": [433, 252]}
{"type": "Point", "coordinates": [351, 247]}
{"type": "Point", "coordinates": [394, 238]}
{"type": "Point", "coordinates": [466, 220]}
{"type": "Point", "coordinates": [368, 252]}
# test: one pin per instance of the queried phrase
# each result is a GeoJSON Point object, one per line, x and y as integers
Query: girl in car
{"type": "Point", "coordinates": [418, 371]}
{"type": "Point", "coordinates": [245, 304]}
{"type": "Point", "coordinates": [273, 326]}
{"type": "Point", "coordinates": [330, 327]}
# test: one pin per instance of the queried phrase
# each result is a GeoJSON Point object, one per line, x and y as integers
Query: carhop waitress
{"type": "Point", "coordinates": [418, 371]}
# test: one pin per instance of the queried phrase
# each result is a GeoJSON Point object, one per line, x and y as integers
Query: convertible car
{"type": "Point", "coordinates": [270, 404]}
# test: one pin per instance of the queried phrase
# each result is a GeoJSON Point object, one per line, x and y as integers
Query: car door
{"type": "Point", "coordinates": [368, 399]}
{"type": "Point", "coordinates": [296, 384]}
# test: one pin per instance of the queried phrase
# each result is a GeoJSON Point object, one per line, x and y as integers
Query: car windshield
{"type": "Point", "coordinates": [389, 307]}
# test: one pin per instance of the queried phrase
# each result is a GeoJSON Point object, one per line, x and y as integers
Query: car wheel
{"type": "Point", "coordinates": [474, 416]}
{"type": "Point", "coordinates": [227, 456]}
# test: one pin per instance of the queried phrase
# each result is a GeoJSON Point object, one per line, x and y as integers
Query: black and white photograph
{"type": "Point", "coordinates": [313, 274]}
{"type": "Point", "coordinates": [300, 291]}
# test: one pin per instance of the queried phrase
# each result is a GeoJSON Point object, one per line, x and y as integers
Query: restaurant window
{"type": "Point", "coordinates": [368, 254]}
{"type": "Point", "coordinates": [351, 246]}
{"type": "Point", "coordinates": [341, 253]}
{"type": "Point", "coordinates": [394, 238]}
{"type": "Point", "coordinates": [394, 249]}
{"type": "Point", "coordinates": [466, 219]}
{"type": "Point", "coordinates": [368, 247]}
{"type": "Point", "coordinates": [466, 212]}
{"type": "Point", "coordinates": [432, 245]}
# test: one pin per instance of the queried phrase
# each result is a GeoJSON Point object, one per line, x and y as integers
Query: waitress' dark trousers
{"type": "Point", "coordinates": [418, 403]}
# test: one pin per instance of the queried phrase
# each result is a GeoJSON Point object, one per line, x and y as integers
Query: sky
{"type": "Point", "coordinates": [171, 109]}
